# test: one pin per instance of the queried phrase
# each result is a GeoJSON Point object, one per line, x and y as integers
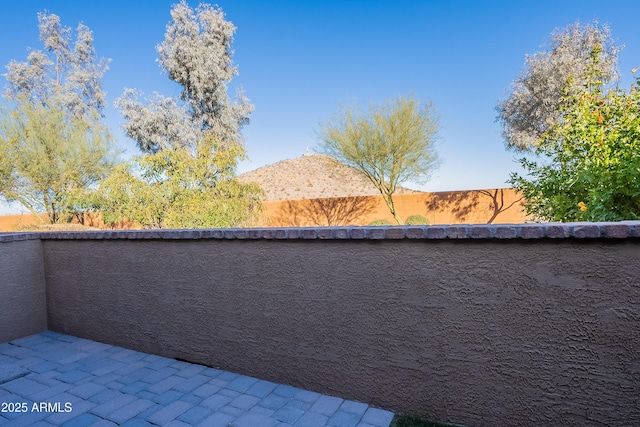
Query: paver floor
{"type": "Point", "coordinates": [50, 379]}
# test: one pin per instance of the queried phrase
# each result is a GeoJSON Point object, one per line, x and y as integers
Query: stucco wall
{"type": "Point", "coordinates": [506, 325]}
{"type": "Point", "coordinates": [16, 222]}
{"type": "Point", "coordinates": [498, 205]}
{"type": "Point", "coordinates": [23, 309]}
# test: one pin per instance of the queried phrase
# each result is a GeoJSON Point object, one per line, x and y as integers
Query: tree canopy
{"type": "Point", "coordinates": [196, 53]}
{"type": "Point", "coordinates": [391, 144]}
{"type": "Point", "coordinates": [587, 166]}
{"type": "Point", "coordinates": [191, 146]}
{"type": "Point", "coordinates": [52, 141]}
{"type": "Point", "coordinates": [174, 189]}
{"type": "Point", "coordinates": [536, 101]}
{"type": "Point", "coordinates": [67, 74]}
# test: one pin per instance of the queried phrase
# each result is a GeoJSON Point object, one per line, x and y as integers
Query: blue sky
{"type": "Point", "coordinates": [298, 60]}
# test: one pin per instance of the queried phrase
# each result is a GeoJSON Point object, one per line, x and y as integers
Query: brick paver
{"type": "Point", "coordinates": [75, 382]}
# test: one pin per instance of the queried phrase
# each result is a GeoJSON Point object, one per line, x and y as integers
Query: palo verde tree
{"type": "Point", "coordinates": [191, 146]}
{"type": "Point", "coordinates": [391, 144]}
{"type": "Point", "coordinates": [587, 166]}
{"type": "Point", "coordinates": [536, 101]}
{"type": "Point", "coordinates": [175, 189]}
{"type": "Point", "coordinates": [52, 141]}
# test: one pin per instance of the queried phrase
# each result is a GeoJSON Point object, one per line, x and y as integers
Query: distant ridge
{"type": "Point", "coordinates": [311, 176]}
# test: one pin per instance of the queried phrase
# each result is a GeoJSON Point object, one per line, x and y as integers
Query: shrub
{"type": "Point", "coordinates": [381, 222]}
{"type": "Point", "coordinates": [586, 166]}
{"type": "Point", "coordinates": [417, 220]}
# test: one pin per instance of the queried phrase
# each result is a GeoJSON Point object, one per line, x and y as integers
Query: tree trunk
{"type": "Point", "coordinates": [388, 199]}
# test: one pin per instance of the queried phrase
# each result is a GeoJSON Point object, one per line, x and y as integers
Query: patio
{"type": "Point", "coordinates": [78, 382]}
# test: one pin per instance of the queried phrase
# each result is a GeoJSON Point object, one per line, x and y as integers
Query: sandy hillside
{"type": "Point", "coordinates": [311, 176]}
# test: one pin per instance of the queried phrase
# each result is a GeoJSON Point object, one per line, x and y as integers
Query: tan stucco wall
{"type": "Point", "coordinates": [475, 331]}
{"type": "Point", "coordinates": [450, 207]}
{"type": "Point", "coordinates": [501, 205]}
{"type": "Point", "coordinates": [16, 222]}
{"type": "Point", "coordinates": [91, 220]}
{"type": "Point", "coordinates": [23, 309]}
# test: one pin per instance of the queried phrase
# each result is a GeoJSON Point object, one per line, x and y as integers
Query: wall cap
{"type": "Point", "coordinates": [13, 237]}
{"type": "Point", "coordinates": [529, 231]}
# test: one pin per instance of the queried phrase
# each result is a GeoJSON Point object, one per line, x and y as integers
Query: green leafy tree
{"type": "Point", "coordinates": [52, 142]}
{"type": "Point", "coordinates": [391, 144]}
{"type": "Point", "coordinates": [47, 155]}
{"type": "Point", "coordinates": [175, 189]}
{"type": "Point", "coordinates": [587, 166]}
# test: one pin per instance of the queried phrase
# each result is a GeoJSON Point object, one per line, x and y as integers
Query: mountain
{"type": "Point", "coordinates": [311, 176]}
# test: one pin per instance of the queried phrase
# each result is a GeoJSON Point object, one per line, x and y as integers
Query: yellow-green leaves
{"type": "Point", "coordinates": [52, 143]}
{"type": "Point", "coordinates": [390, 144]}
{"type": "Point", "coordinates": [46, 155]}
{"type": "Point", "coordinates": [588, 165]}
{"type": "Point", "coordinates": [175, 189]}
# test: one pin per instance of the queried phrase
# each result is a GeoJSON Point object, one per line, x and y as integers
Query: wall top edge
{"type": "Point", "coordinates": [14, 237]}
{"type": "Point", "coordinates": [576, 230]}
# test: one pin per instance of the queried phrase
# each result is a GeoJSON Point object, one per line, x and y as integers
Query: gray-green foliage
{"type": "Point", "coordinates": [587, 168]}
{"type": "Point", "coordinates": [535, 103]}
{"type": "Point", "coordinates": [391, 144]}
{"type": "Point", "coordinates": [196, 53]}
{"type": "Point", "coordinates": [186, 176]}
{"type": "Point", "coordinates": [52, 141]}
{"type": "Point", "coordinates": [67, 73]}
{"type": "Point", "coordinates": [417, 220]}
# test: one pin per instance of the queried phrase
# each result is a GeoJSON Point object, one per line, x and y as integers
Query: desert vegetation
{"type": "Point", "coordinates": [575, 128]}
{"type": "Point", "coordinates": [52, 141]}
{"type": "Point", "coordinates": [390, 144]}
{"type": "Point", "coordinates": [578, 130]}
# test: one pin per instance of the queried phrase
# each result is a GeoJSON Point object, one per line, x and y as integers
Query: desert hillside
{"type": "Point", "coordinates": [311, 176]}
